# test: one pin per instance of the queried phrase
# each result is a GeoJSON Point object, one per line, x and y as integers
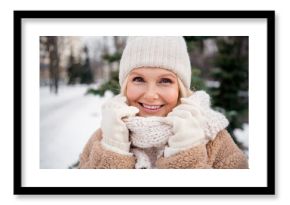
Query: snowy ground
{"type": "Point", "coordinates": [68, 119]}
{"type": "Point", "coordinates": [242, 135]}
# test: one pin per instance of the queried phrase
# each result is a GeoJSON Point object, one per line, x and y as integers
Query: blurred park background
{"type": "Point", "coordinates": [77, 74]}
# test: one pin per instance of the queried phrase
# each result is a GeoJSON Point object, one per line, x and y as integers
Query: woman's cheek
{"type": "Point", "coordinates": [170, 95]}
{"type": "Point", "coordinates": [133, 93]}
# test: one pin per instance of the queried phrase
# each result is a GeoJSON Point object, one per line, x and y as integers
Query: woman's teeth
{"type": "Point", "coordinates": [152, 107]}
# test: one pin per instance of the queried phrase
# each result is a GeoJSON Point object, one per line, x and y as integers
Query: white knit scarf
{"type": "Point", "coordinates": [149, 135]}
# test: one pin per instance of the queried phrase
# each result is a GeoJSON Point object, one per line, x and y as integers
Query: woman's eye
{"type": "Point", "coordinates": [138, 79]}
{"type": "Point", "coordinates": [165, 80]}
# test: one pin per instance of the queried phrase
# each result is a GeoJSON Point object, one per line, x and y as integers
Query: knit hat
{"type": "Point", "coordinates": [168, 52]}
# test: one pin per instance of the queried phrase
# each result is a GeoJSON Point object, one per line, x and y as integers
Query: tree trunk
{"type": "Point", "coordinates": [54, 63]}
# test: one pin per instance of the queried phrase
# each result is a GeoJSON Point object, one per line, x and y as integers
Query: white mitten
{"type": "Point", "coordinates": [187, 121]}
{"type": "Point", "coordinates": [214, 121]}
{"type": "Point", "coordinates": [114, 130]}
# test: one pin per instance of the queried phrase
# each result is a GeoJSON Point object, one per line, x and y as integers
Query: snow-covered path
{"type": "Point", "coordinates": [67, 120]}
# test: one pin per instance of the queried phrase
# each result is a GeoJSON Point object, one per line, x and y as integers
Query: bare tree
{"type": "Point", "coordinates": [54, 63]}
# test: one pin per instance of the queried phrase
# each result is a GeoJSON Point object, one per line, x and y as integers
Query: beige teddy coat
{"type": "Point", "coordinates": [220, 153]}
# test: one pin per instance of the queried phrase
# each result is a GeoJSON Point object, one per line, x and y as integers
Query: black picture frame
{"type": "Point", "coordinates": [19, 189]}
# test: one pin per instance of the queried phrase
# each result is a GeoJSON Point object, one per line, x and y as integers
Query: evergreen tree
{"type": "Point", "coordinates": [73, 70]}
{"type": "Point", "coordinates": [195, 45]}
{"type": "Point", "coordinates": [86, 76]}
{"type": "Point", "coordinates": [112, 85]}
{"type": "Point", "coordinates": [232, 74]}
{"type": "Point", "coordinates": [80, 72]}
{"type": "Point", "coordinates": [111, 59]}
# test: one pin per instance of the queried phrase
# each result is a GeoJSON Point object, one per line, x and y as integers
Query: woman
{"type": "Point", "coordinates": [155, 75]}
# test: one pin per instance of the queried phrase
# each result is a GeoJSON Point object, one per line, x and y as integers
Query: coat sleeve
{"type": "Point", "coordinates": [94, 156]}
{"type": "Point", "coordinates": [221, 153]}
{"type": "Point", "coordinates": [224, 153]}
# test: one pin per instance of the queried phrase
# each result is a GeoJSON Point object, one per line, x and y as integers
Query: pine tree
{"type": "Point", "coordinates": [86, 76]}
{"type": "Point", "coordinates": [195, 46]}
{"type": "Point", "coordinates": [232, 73]}
{"type": "Point", "coordinates": [73, 70]}
{"type": "Point", "coordinates": [112, 59]}
{"type": "Point", "coordinates": [80, 71]}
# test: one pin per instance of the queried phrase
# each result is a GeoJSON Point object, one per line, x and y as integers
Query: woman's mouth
{"type": "Point", "coordinates": [151, 108]}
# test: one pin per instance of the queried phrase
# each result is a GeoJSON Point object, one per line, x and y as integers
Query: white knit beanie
{"type": "Point", "coordinates": [168, 52]}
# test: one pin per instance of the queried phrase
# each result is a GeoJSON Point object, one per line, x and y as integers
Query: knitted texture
{"type": "Point", "coordinates": [147, 132]}
{"type": "Point", "coordinates": [148, 135]}
{"type": "Point", "coordinates": [214, 121]}
{"type": "Point", "coordinates": [168, 52]}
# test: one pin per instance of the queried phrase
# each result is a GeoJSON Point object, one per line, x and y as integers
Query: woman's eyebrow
{"type": "Point", "coordinates": [167, 75]}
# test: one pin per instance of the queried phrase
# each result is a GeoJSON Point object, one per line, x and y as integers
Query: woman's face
{"type": "Point", "coordinates": [154, 91]}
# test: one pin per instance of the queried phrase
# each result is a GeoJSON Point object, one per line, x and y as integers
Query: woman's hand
{"type": "Point", "coordinates": [114, 131]}
{"type": "Point", "coordinates": [214, 121]}
{"type": "Point", "coordinates": [187, 121]}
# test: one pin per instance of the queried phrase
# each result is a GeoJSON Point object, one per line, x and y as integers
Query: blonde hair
{"type": "Point", "coordinates": [183, 91]}
{"type": "Point", "coordinates": [124, 86]}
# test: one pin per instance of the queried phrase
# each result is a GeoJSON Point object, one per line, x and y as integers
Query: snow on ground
{"type": "Point", "coordinates": [242, 135]}
{"type": "Point", "coordinates": [67, 120]}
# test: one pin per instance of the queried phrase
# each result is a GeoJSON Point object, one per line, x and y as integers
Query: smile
{"type": "Point", "coordinates": [151, 107]}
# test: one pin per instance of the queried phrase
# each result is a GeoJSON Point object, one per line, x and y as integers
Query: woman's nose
{"type": "Point", "coordinates": [151, 93]}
